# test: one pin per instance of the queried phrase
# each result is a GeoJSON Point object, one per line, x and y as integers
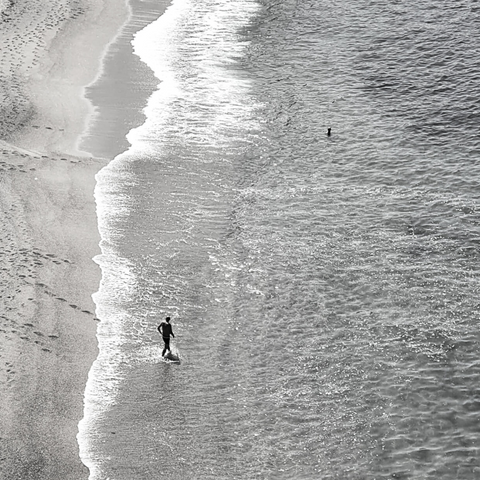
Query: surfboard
{"type": "Point", "coordinates": [171, 357]}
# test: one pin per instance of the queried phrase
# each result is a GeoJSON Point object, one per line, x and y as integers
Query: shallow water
{"type": "Point", "coordinates": [323, 290]}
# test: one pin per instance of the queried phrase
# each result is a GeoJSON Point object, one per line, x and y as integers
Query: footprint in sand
{"type": "Point", "coordinates": [10, 372]}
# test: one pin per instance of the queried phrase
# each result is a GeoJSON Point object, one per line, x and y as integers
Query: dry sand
{"type": "Point", "coordinates": [49, 50]}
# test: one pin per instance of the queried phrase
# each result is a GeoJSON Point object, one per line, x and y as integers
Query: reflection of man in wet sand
{"type": "Point", "coordinates": [165, 330]}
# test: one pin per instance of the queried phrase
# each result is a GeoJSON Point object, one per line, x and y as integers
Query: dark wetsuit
{"type": "Point", "coordinates": [166, 330]}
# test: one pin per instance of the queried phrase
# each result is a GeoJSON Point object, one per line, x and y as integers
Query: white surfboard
{"type": "Point", "coordinates": [171, 357]}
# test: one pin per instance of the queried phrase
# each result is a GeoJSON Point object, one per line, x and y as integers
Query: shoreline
{"type": "Point", "coordinates": [48, 233]}
{"type": "Point", "coordinates": [67, 70]}
{"type": "Point", "coordinates": [73, 59]}
{"type": "Point", "coordinates": [122, 88]}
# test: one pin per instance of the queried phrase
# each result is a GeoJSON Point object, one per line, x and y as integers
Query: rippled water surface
{"type": "Point", "coordinates": [323, 290]}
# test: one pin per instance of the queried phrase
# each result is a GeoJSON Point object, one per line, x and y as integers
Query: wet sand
{"type": "Point", "coordinates": [122, 90]}
{"type": "Point", "coordinates": [49, 50]}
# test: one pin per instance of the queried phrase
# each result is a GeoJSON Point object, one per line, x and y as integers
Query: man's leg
{"type": "Point", "coordinates": [167, 345]}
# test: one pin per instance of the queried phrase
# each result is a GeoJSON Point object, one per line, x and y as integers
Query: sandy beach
{"type": "Point", "coordinates": [50, 49]}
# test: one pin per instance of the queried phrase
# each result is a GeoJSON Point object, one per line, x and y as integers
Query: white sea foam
{"type": "Point", "coordinates": [201, 95]}
{"type": "Point", "coordinates": [201, 98]}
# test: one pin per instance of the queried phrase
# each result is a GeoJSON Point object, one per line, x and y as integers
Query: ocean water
{"type": "Point", "coordinates": [324, 291]}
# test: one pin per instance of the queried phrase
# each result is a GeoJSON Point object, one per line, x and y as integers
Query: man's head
{"type": "Point", "coordinates": [168, 319]}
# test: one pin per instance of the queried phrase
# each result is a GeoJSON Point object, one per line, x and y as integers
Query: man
{"type": "Point", "coordinates": [165, 330]}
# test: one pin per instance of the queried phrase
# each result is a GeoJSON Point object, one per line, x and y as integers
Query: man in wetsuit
{"type": "Point", "coordinates": [165, 330]}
